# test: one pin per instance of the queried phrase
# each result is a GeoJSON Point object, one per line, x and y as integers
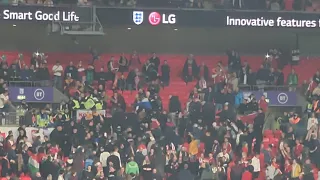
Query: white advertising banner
{"type": "Point", "coordinates": [82, 112]}
{"type": "Point", "coordinates": [4, 131]}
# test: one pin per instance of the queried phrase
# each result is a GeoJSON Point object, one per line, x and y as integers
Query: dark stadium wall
{"type": "Point", "coordinates": [32, 36]}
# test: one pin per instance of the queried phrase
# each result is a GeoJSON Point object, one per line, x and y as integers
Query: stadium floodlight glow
{"type": "Point", "coordinates": [267, 56]}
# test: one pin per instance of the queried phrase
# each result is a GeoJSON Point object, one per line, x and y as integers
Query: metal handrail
{"type": "Point", "coordinates": [43, 83]}
{"type": "Point", "coordinates": [264, 87]}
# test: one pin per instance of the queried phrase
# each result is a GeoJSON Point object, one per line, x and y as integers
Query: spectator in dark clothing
{"type": "Point", "coordinates": [209, 95]}
{"type": "Point", "coordinates": [4, 72]}
{"type": "Point", "coordinates": [316, 77]}
{"type": "Point", "coordinates": [101, 77]}
{"type": "Point", "coordinates": [234, 61]}
{"type": "Point", "coordinates": [5, 165]}
{"type": "Point", "coordinates": [280, 78]}
{"type": "Point", "coordinates": [236, 171]}
{"type": "Point", "coordinates": [123, 63]}
{"type": "Point", "coordinates": [174, 104]}
{"type": "Point", "coordinates": [26, 74]}
{"type": "Point", "coordinates": [14, 72]}
{"type": "Point", "coordinates": [226, 113]}
{"type": "Point", "coordinates": [122, 83]}
{"type": "Point", "coordinates": [253, 105]}
{"type": "Point", "coordinates": [43, 73]}
{"type": "Point", "coordinates": [230, 98]}
{"type": "Point", "coordinates": [190, 69]}
{"type": "Point", "coordinates": [208, 113]}
{"type": "Point", "coordinates": [219, 98]}
{"type": "Point", "coordinates": [71, 71]}
{"type": "Point", "coordinates": [131, 83]}
{"type": "Point", "coordinates": [185, 173]}
{"type": "Point", "coordinates": [252, 78]}
{"type": "Point", "coordinates": [257, 129]}
{"type": "Point", "coordinates": [262, 75]}
{"type": "Point", "coordinates": [57, 136]}
{"type": "Point", "coordinates": [271, 77]}
{"type": "Point", "coordinates": [243, 107]}
{"type": "Point", "coordinates": [155, 61]}
{"type": "Point", "coordinates": [165, 73]}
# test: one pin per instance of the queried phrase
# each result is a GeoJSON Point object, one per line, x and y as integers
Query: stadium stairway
{"type": "Point", "coordinates": [176, 62]}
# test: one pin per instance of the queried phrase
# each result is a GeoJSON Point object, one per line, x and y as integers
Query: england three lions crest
{"type": "Point", "coordinates": [137, 17]}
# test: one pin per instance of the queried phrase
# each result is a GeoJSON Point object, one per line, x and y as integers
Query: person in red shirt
{"type": "Point", "coordinates": [298, 149]}
{"type": "Point", "coordinates": [226, 145]}
{"type": "Point", "coordinates": [287, 169]}
{"type": "Point", "coordinates": [263, 104]}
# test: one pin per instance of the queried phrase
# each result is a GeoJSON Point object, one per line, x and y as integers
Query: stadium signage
{"type": "Point", "coordinates": [41, 13]}
{"type": "Point", "coordinates": [275, 98]}
{"type": "Point", "coordinates": [207, 18]}
{"type": "Point", "coordinates": [163, 17]}
{"type": "Point", "coordinates": [31, 94]}
{"type": "Point", "coordinates": [154, 18]}
{"type": "Point", "coordinates": [40, 16]}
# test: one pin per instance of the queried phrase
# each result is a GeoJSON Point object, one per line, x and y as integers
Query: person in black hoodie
{"type": "Point", "coordinates": [226, 113]}
{"type": "Point", "coordinates": [207, 139]}
{"type": "Point", "coordinates": [131, 79]}
{"type": "Point", "coordinates": [257, 129]}
{"type": "Point", "coordinates": [57, 136]}
{"type": "Point", "coordinates": [114, 159]}
{"type": "Point", "coordinates": [262, 75]}
{"type": "Point", "coordinates": [234, 61]}
{"type": "Point", "coordinates": [71, 70]}
{"type": "Point", "coordinates": [123, 63]}
{"type": "Point", "coordinates": [4, 163]}
{"type": "Point", "coordinates": [165, 73]}
{"type": "Point", "coordinates": [253, 105]}
{"type": "Point", "coordinates": [174, 104]}
{"type": "Point", "coordinates": [208, 113]}
{"type": "Point", "coordinates": [243, 107]}
{"type": "Point", "coordinates": [101, 77]}
{"type": "Point", "coordinates": [252, 78]}
{"type": "Point", "coordinates": [43, 73]}
{"type": "Point", "coordinates": [155, 60]}
{"type": "Point", "coordinates": [279, 78]}
{"type": "Point", "coordinates": [271, 77]}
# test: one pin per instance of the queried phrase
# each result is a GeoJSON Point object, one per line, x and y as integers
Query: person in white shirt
{"type": "Point", "coordinates": [312, 126]}
{"type": "Point", "coordinates": [57, 70]}
{"type": "Point", "coordinates": [255, 162]}
{"type": "Point", "coordinates": [4, 100]}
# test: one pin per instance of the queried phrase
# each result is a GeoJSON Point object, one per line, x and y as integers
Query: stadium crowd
{"type": "Point", "coordinates": [206, 139]}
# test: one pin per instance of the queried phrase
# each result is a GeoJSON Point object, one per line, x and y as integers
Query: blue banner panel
{"type": "Point", "coordinates": [31, 94]}
{"type": "Point", "coordinates": [275, 98]}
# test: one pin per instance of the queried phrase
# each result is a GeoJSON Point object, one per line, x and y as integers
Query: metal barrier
{"type": "Point", "coordinates": [44, 83]}
{"type": "Point", "coordinates": [263, 87]}
{"type": "Point", "coordinates": [10, 119]}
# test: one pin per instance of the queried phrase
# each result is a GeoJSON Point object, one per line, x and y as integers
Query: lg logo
{"type": "Point", "coordinates": [155, 18]}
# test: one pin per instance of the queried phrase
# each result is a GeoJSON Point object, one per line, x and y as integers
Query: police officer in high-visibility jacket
{"type": "Point", "coordinates": [99, 105]}
{"type": "Point", "coordinates": [89, 103]}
